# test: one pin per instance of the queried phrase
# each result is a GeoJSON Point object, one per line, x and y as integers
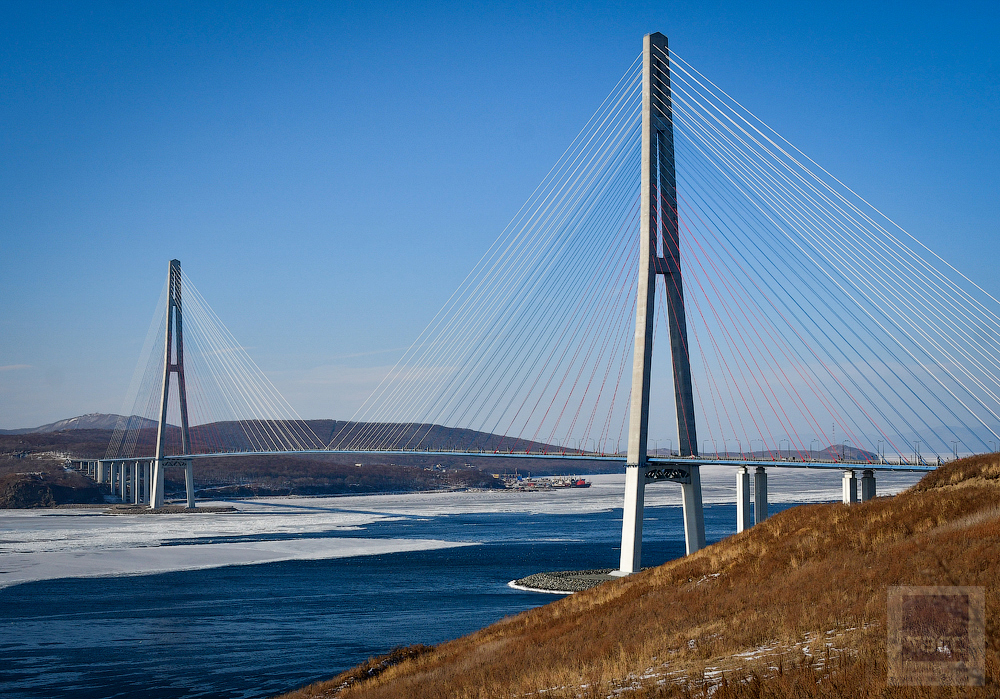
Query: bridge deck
{"type": "Point", "coordinates": [791, 462]}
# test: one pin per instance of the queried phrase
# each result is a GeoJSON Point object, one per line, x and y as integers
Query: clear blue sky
{"type": "Point", "coordinates": [329, 172]}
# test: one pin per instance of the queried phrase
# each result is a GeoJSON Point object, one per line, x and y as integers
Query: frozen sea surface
{"type": "Point", "coordinates": [45, 544]}
{"type": "Point", "coordinates": [169, 606]}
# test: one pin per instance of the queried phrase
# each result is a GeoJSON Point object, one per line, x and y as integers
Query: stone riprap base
{"type": "Point", "coordinates": [565, 580]}
{"type": "Point", "coordinates": [167, 509]}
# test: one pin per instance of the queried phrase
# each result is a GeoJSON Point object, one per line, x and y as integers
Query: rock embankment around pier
{"type": "Point", "coordinates": [793, 607]}
{"type": "Point", "coordinates": [567, 581]}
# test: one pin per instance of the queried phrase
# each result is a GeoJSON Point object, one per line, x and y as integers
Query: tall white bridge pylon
{"type": "Point", "coordinates": [658, 221]}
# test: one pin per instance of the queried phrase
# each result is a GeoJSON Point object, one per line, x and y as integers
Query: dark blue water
{"type": "Point", "coordinates": [256, 631]}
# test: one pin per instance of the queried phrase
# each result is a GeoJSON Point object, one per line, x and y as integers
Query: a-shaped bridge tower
{"type": "Point", "coordinates": [659, 255]}
{"type": "Point", "coordinates": [173, 363]}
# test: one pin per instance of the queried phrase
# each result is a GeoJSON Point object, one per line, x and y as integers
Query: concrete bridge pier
{"type": "Point", "coordinates": [867, 485]}
{"type": "Point", "coordinates": [99, 477]}
{"type": "Point", "coordinates": [759, 495]}
{"type": "Point", "coordinates": [850, 487]}
{"type": "Point", "coordinates": [743, 515]}
{"type": "Point", "coordinates": [189, 483]}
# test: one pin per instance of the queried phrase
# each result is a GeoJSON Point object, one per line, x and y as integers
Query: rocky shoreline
{"type": "Point", "coordinates": [565, 581]}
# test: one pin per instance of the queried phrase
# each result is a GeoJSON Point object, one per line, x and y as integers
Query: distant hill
{"type": "Point", "coordinates": [93, 421]}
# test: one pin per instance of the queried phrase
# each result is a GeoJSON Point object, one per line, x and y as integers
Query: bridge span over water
{"type": "Point", "coordinates": [786, 310]}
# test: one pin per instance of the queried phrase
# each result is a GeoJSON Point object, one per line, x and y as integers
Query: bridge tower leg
{"type": "Point", "coordinates": [658, 221]}
{"type": "Point", "coordinates": [175, 331]}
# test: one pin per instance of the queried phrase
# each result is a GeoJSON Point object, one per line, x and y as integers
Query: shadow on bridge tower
{"type": "Point", "coordinates": [659, 224]}
{"type": "Point", "coordinates": [173, 363]}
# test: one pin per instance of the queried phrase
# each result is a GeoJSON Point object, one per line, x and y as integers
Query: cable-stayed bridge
{"type": "Point", "coordinates": [681, 270]}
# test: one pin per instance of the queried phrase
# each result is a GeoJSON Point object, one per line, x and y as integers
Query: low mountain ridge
{"type": "Point", "coordinates": [90, 421]}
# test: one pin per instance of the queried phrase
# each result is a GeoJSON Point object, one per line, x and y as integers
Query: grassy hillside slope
{"type": "Point", "coordinates": [794, 607]}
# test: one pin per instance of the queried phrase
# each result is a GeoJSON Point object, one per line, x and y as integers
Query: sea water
{"type": "Point", "coordinates": [259, 630]}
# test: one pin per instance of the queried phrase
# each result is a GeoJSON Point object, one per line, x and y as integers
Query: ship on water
{"type": "Point", "coordinates": [518, 482]}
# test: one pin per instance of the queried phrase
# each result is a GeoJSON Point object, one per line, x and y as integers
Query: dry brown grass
{"type": "Point", "coordinates": [794, 607]}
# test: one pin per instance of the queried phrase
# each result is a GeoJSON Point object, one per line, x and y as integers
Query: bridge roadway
{"type": "Point", "coordinates": [131, 478]}
{"type": "Point", "coordinates": [656, 461]}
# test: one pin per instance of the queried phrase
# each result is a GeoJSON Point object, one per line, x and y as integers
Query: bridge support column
{"type": "Point", "coordinates": [189, 483]}
{"type": "Point", "coordinates": [136, 480]}
{"type": "Point", "coordinates": [850, 488]}
{"type": "Point", "coordinates": [743, 517]}
{"type": "Point", "coordinates": [100, 473]}
{"type": "Point", "coordinates": [123, 474]}
{"type": "Point", "coordinates": [867, 485]}
{"type": "Point", "coordinates": [635, 493]}
{"type": "Point", "coordinates": [759, 495]}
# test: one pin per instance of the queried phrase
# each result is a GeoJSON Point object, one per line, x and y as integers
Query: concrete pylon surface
{"type": "Point", "coordinates": [744, 516]}
{"type": "Point", "coordinates": [759, 495]}
{"type": "Point", "coordinates": [658, 223]}
{"type": "Point", "coordinates": [867, 484]}
{"type": "Point", "coordinates": [174, 334]}
{"type": "Point", "coordinates": [850, 487]}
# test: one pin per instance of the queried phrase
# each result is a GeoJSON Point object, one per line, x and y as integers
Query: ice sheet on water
{"type": "Point", "coordinates": [26, 567]}
{"type": "Point", "coordinates": [43, 544]}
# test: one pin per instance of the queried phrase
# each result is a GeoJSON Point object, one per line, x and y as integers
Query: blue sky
{"type": "Point", "coordinates": [329, 172]}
